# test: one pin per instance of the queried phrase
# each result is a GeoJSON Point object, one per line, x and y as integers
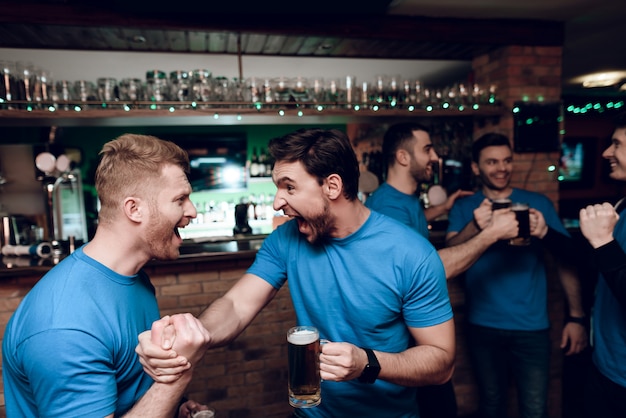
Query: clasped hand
{"type": "Point", "coordinates": [174, 345]}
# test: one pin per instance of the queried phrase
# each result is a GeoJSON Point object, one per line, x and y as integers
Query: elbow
{"type": "Point", "coordinates": [447, 375]}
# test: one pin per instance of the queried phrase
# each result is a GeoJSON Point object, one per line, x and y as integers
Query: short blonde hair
{"type": "Point", "coordinates": [130, 165]}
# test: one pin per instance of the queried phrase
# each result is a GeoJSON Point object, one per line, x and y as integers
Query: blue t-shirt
{"type": "Point", "coordinates": [406, 208]}
{"type": "Point", "coordinates": [506, 288]}
{"type": "Point", "coordinates": [69, 348]}
{"type": "Point", "coordinates": [609, 323]}
{"type": "Point", "coordinates": [364, 289]}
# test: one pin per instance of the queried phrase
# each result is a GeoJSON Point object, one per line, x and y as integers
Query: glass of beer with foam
{"type": "Point", "coordinates": [304, 367]}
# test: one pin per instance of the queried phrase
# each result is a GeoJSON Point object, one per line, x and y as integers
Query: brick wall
{"type": "Point", "coordinates": [519, 73]}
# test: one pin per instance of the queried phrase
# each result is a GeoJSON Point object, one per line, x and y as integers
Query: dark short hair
{"type": "Point", "coordinates": [322, 152]}
{"type": "Point", "coordinates": [488, 140]}
{"type": "Point", "coordinates": [397, 137]}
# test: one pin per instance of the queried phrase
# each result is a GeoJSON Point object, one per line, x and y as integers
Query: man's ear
{"type": "Point", "coordinates": [475, 169]}
{"type": "Point", "coordinates": [403, 157]}
{"type": "Point", "coordinates": [133, 208]}
{"type": "Point", "coordinates": [333, 186]}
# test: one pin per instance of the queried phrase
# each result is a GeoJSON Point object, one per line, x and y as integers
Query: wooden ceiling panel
{"type": "Point", "coordinates": [88, 38]}
{"type": "Point", "coordinates": [155, 40]}
{"type": "Point", "coordinates": [177, 40]}
{"type": "Point", "coordinates": [197, 41]}
{"type": "Point", "coordinates": [232, 41]}
{"type": "Point", "coordinates": [274, 45]}
{"type": "Point", "coordinates": [292, 45]}
{"type": "Point", "coordinates": [73, 24]}
{"type": "Point", "coordinates": [309, 46]}
{"type": "Point", "coordinates": [216, 42]}
{"type": "Point", "coordinates": [114, 38]}
{"type": "Point", "coordinates": [255, 44]}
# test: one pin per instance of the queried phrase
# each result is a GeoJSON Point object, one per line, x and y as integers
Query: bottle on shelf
{"type": "Point", "coordinates": [262, 160]}
{"type": "Point", "coordinates": [254, 163]}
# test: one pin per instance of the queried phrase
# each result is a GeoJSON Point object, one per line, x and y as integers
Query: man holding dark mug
{"type": "Point", "coordinates": [506, 289]}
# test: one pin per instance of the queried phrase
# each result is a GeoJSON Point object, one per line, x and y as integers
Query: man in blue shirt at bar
{"type": "Point", "coordinates": [409, 155]}
{"type": "Point", "coordinates": [506, 289]}
{"type": "Point", "coordinates": [605, 229]}
{"type": "Point", "coordinates": [369, 284]}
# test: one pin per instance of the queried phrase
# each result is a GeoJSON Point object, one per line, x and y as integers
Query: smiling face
{"type": "Point", "coordinates": [494, 168]}
{"type": "Point", "coordinates": [170, 209]}
{"type": "Point", "coordinates": [301, 196]}
{"type": "Point", "coordinates": [423, 156]}
{"type": "Point", "coordinates": [616, 154]}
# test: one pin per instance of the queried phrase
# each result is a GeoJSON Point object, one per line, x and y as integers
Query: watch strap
{"type": "Point", "coordinates": [372, 369]}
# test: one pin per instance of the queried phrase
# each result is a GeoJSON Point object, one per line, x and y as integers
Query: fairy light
{"type": "Point", "coordinates": [594, 106]}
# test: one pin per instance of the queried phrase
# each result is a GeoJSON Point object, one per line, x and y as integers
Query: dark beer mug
{"type": "Point", "coordinates": [304, 367]}
{"type": "Point", "coordinates": [500, 204]}
{"type": "Point", "coordinates": [522, 215]}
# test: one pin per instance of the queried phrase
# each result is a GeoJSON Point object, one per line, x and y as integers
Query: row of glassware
{"type": "Point", "coordinates": [25, 85]}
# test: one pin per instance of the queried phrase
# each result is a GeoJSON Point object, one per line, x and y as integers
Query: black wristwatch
{"type": "Point", "coordinates": [371, 370]}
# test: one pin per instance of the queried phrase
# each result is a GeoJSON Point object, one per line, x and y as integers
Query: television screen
{"type": "Point", "coordinates": [577, 162]}
{"type": "Point", "coordinates": [218, 162]}
{"type": "Point", "coordinates": [571, 163]}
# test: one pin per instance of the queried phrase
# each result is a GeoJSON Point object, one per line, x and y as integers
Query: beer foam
{"type": "Point", "coordinates": [302, 337]}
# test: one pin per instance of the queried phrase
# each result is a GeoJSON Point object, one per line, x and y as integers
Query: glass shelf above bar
{"type": "Point", "coordinates": [219, 113]}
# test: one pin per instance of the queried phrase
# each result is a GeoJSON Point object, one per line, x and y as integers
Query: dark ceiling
{"type": "Point", "coordinates": [323, 28]}
{"type": "Point", "coordinates": [331, 29]}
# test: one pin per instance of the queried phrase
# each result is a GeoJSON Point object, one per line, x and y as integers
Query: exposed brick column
{"type": "Point", "coordinates": [519, 73]}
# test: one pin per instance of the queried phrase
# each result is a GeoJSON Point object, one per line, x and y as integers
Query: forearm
{"type": "Point", "coordinates": [429, 362]}
{"type": "Point", "coordinates": [572, 289]}
{"type": "Point", "coordinates": [222, 322]}
{"type": "Point", "coordinates": [458, 258]}
{"type": "Point", "coordinates": [161, 400]}
{"type": "Point", "coordinates": [433, 212]}
{"type": "Point", "coordinates": [418, 366]}
{"type": "Point", "coordinates": [229, 315]}
{"type": "Point", "coordinates": [470, 230]}
{"type": "Point", "coordinates": [611, 260]}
